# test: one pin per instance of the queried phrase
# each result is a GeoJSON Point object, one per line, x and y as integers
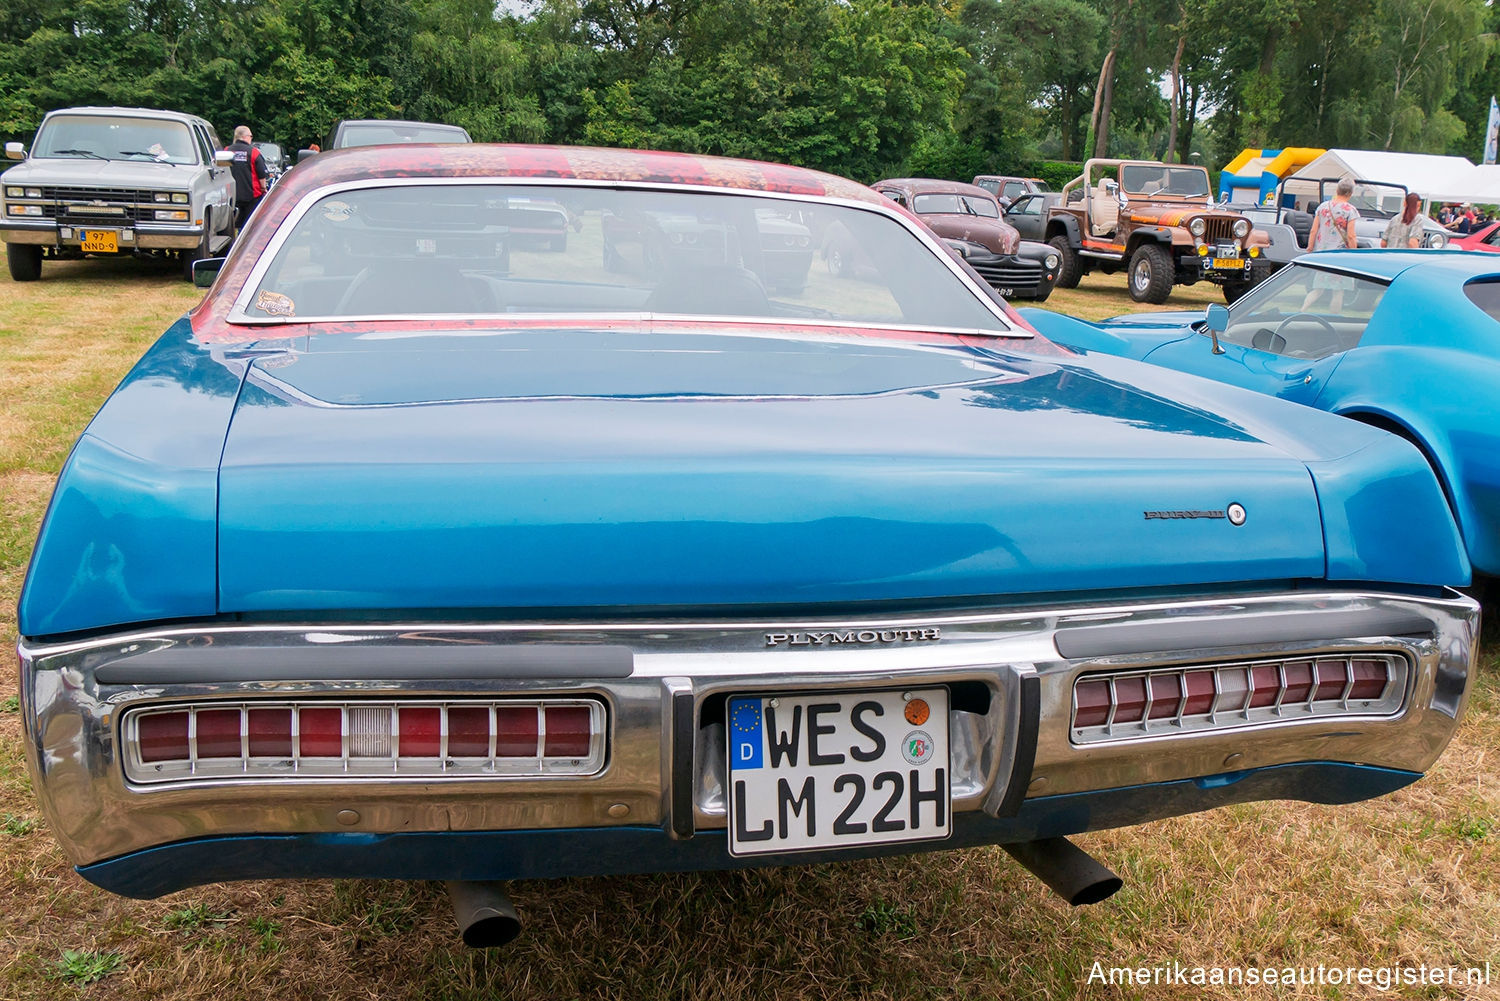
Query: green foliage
{"type": "Point", "coordinates": [193, 917]}
{"type": "Point", "coordinates": [17, 826]}
{"type": "Point", "coordinates": [1057, 172]}
{"type": "Point", "coordinates": [884, 918]}
{"type": "Point", "coordinates": [864, 88]}
{"type": "Point", "coordinates": [11, 704]}
{"type": "Point", "coordinates": [79, 966]}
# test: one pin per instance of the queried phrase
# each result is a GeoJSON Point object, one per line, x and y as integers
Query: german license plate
{"type": "Point", "coordinates": [100, 241]}
{"type": "Point", "coordinates": [836, 770]}
{"type": "Point", "coordinates": [1231, 263]}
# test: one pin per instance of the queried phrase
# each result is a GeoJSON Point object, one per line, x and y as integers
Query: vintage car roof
{"type": "Point", "coordinates": [931, 185]}
{"type": "Point", "coordinates": [1387, 264]}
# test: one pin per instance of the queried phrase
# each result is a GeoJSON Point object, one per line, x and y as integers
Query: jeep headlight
{"type": "Point", "coordinates": [1437, 241]}
{"type": "Point", "coordinates": [1052, 261]}
{"type": "Point", "coordinates": [1241, 228]}
{"type": "Point", "coordinates": [1197, 227]}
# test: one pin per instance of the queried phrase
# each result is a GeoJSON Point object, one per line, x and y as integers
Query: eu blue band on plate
{"type": "Point", "coordinates": [745, 733]}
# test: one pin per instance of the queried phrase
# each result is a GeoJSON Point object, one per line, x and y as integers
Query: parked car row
{"type": "Point", "coordinates": [409, 553]}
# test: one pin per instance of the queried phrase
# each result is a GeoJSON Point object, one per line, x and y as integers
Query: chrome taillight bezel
{"type": "Point", "coordinates": [350, 763]}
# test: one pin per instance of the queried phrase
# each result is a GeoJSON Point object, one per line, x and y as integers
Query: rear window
{"type": "Point", "coordinates": [387, 133]}
{"type": "Point", "coordinates": [1486, 295]}
{"type": "Point", "coordinates": [480, 249]}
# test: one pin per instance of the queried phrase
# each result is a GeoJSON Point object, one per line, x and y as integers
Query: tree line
{"type": "Point", "coordinates": [863, 88]}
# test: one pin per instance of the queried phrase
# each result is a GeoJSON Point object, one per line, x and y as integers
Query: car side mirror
{"type": "Point", "coordinates": [1217, 321]}
{"type": "Point", "coordinates": [223, 158]}
{"type": "Point", "coordinates": [15, 150]}
{"type": "Point", "coordinates": [306, 154]}
{"type": "Point", "coordinates": [206, 271]}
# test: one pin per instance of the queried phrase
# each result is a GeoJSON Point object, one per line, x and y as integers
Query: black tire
{"type": "Point", "coordinates": [25, 260]}
{"type": "Point", "coordinates": [1151, 274]}
{"type": "Point", "coordinates": [1233, 290]}
{"type": "Point", "coordinates": [1069, 268]}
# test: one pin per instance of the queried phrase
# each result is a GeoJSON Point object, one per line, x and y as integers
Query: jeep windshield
{"type": "Point", "coordinates": [395, 250]}
{"type": "Point", "coordinates": [1160, 179]}
{"type": "Point", "coordinates": [116, 137]}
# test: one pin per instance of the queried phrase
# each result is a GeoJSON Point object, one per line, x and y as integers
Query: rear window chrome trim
{"type": "Point", "coordinates": [239, 315]}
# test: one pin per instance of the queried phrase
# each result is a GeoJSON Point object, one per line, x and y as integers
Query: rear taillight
{"type": "Point", "coordinates": [1152, 703]}
{"type": "Point", "coordinates": [271, 740]}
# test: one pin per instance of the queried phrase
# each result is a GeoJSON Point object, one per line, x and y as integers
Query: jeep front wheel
{"type": "Point", "coordinates": [1151, 274]}
{"type": "Point", "coordinates": [25, 260]}
{"type": "Point", "coordinates": [1069, 269]}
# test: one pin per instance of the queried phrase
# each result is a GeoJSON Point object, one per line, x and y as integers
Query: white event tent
{"type": "Point", "coordinates": [1434, 177]}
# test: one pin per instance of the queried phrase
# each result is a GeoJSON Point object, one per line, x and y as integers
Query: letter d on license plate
{"type": "Point", "coordinates": [838, 769]}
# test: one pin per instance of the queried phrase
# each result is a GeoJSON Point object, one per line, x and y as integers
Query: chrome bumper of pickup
{"type": "Point", "coordinates": [1011, 672]}
{"type": "Point", "coordinates": [144, 237]}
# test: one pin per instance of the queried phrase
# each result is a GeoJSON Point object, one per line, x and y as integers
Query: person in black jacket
{"type": "Point", "coordinates": [251, 176]}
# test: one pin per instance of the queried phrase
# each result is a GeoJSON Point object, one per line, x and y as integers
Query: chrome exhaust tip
{"type": "Point", "coordinates": [486, 917]}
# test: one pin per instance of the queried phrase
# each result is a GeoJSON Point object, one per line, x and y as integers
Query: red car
{"type": "Point", "coordinates": [1486, 239]}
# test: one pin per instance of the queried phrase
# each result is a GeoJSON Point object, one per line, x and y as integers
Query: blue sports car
{"type": "Point", "coordinates": [415, 553]}
{"type": "Point", "coordinates": [1404, 340]}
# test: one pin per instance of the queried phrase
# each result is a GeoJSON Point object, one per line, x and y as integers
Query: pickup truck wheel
{"type": "Point", "coordinates": [1069, 269]}
{"type": "Point", "coordinates": [1151, 274]}
{"type": "Point", "coordinates": [25, 260]}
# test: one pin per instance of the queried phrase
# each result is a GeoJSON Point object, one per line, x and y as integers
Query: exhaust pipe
{"type": "Point", "coordinates": [1071, 872]}
{"type": "Point", "coordinates": [486, 917]}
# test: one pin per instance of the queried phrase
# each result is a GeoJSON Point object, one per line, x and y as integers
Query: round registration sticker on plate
{"type": "Point", "coordinates": [837, 769]}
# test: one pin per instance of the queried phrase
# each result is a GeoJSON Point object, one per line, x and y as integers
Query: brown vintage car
{"type": "Point", "coordinates": [969, 218]}
{"type": "Point", "coordinates": [1158, 221]}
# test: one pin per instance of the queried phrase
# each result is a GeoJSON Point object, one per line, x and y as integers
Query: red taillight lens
{"type": "Point", "coordinates": [1299, 682]}
{"type": "Point", "coordinates": [515, 732]}
{"type": "Point", "coordinates": [421, 732]}
{"type": "Point", "coordinates": [1166, 695]}
{"type": "Point", "coordinates": [1130, 700]}
{"type": "Point", "coordinates": [219, 733]}
{"type": "Point", "coordinates": [270, 733]}
{"type": "Point", "coordinates": [163, 736]}
{"type": "Point", "coordinates": [469, 732]}
{"type": "Point", "coordinates": [322, 733]}
{"type": "Point", "coordinates": [1370, 679]}
{"type": "Point", "coordinates": [568, 732]}
{"type": "Point", "coordinates": [1091, 703]}
{"type": "Point", "coordinates": [1333, 675]}
{"type": "Point", "coordinates": [1267, 681]}
{"type": "Point", "coordinates": [1200, 693]}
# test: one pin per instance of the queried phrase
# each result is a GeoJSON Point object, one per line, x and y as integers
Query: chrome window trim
{"type": "Point", "coordinates": [238, 312]}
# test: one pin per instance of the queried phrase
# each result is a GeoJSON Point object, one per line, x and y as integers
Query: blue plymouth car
{"type": "Point", "coordinates": [415, 553]}
{"type": "Point", "coordinates": [1404, 340]}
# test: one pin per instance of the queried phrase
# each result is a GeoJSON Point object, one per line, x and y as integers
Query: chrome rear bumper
{"type": "Point", "coordinates": [664, 683]}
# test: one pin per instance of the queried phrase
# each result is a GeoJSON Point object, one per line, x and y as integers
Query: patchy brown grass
{"type": "Point", "coordinates": [1409, 878]}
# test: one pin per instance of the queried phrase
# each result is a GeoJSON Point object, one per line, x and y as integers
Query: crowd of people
{"type": "Point", "coordinates": [1464, 218]}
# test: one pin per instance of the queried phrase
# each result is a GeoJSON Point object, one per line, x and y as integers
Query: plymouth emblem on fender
{"type": "Point", "coordinates": [853, 637]}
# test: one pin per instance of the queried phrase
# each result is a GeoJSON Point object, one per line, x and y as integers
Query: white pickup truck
{"type": "Point", "coordinates": [111, 181]}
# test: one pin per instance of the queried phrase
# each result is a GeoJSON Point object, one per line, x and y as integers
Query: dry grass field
{"type": "Point", "coordinates": [1410, 879]}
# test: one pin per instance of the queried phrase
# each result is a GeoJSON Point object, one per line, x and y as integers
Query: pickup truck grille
{"type": "Point", "coordinates": [91, 213]}
{"type": "Point", "coordinates": [113, 195]}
